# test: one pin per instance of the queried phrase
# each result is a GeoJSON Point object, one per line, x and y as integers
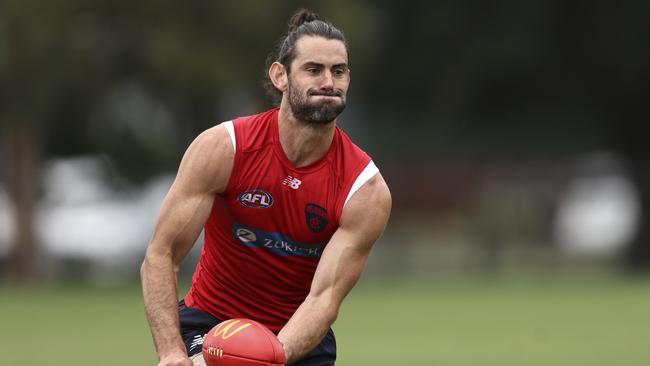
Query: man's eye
{"type": "Point", "coordinates": [312, 70]}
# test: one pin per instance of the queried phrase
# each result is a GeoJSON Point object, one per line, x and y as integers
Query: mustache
{"type": "Point", "coordinates": [327, 93]}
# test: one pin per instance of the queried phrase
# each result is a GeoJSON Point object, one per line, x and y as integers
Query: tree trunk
{"type": "Point", "coordinates": [24, 182]}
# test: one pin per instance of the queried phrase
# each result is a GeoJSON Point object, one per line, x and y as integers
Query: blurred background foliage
{"type": "Point", "coordinates": [480, 114]}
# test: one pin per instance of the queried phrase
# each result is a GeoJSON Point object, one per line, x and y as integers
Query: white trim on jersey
{"type": "Point", "coordinates": [231, 131]}
{"type": "Point", "coordinates": [368, 172]}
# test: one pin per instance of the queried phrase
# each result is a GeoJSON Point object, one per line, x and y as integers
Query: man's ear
{"type": "Point", "coordinates": [278, 76]}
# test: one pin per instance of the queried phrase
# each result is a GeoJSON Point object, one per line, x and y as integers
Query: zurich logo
{"type": "Point", "coordinates": [256, 198]}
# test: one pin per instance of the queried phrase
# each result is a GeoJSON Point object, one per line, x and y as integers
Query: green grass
{"type": "Point", "coordinates": [73, 326]}
{"type": "Point", "coordinates": [513, 321]}
{"type": "Point", "coordinates": [530, 322]}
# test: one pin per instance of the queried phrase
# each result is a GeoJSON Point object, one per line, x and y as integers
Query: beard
{"type": "Point", "coordinates": [315, 112]}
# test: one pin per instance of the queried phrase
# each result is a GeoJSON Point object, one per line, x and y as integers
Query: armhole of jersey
{"type": "Point", "coordinates": [231, 131]}
{"type": "Point", "coordinates": [230, 127]}
{"type": "Point", "coordinates": [368, 172]}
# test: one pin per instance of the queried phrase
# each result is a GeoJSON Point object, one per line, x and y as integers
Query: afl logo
{"type": "Point", "coordinates": [256, 198]}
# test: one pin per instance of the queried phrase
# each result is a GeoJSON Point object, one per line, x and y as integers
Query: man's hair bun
{"type": "Point", "coordinates": [300, 17]}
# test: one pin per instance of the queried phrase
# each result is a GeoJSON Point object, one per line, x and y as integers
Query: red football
{"type": "Point", "coordinates": [242, 342]}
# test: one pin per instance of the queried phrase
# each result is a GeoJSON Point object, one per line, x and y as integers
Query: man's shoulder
{"type": "Point", "coordinates": [207, 162]}
{"type": "Point", "coordinates": [216, 136]}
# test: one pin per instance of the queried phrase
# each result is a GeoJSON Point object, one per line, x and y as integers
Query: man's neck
{"type": "Point", "coordinates": [303, 143]}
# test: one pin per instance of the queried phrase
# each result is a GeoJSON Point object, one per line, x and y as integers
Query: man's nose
{"type": "Point", "coordinates": [327, 81]}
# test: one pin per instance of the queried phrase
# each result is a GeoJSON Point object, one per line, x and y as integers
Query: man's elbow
{"type": "Point", "coordinates": [145, 268]}
{"type": "Point", "coordinates": [155, 260]}
{"type": "Point", "coordinates": [326, 306]}
{"type": "Point", "coordinates": [334, 315]}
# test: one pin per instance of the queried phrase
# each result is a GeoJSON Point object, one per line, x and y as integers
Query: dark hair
{"type": "Point", "coordinates": [302, 23]}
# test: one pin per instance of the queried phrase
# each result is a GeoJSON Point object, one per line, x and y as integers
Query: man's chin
{"type": "Point", "coordinates": [325, 115]}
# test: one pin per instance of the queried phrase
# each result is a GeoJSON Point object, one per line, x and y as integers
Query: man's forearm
{"type": "Point", "coordinates": [306, 328]}
{"type": "Point", "coordinates": [159, 287]}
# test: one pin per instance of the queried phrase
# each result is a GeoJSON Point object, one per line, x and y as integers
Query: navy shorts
{"type": "Point", "coordinates": [196, 323]}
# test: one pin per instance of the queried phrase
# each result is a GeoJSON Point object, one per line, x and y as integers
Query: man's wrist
{"type": "Point", "coordinates": [175, 359]}
{"type": "Point", "coordinates": [172, 353]}
{"type": "Point", "coordinates": [287, 352]}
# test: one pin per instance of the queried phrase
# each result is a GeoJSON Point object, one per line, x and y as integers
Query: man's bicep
{"type": "Point", "coordinates": [347, 252]}
{"type": "Point", "coordinates": [366, 213]}
{"type": "Point", "coordinates": [203, 173]}
{"type": "Point", "coordinates": [180, 221]}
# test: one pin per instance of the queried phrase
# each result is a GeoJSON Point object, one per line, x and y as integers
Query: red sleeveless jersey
{"type": "Point", "coordinates": [267, 231]}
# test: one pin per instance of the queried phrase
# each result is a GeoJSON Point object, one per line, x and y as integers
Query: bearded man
{"type": "Point", "coordinates": [290, 207]}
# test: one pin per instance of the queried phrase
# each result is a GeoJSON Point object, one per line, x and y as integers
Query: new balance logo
{"type": "Point", "coordinates": [292, 182]}
{"type": "Point", "coordinates": [197, 341]}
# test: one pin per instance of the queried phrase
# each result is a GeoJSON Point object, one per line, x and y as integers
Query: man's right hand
{"type": "Point", "coordinates": [175, 360]}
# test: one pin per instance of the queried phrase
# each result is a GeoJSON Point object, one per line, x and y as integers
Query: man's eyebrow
{"type": "Point", "coordinates": [312, 64]}
{"type": "Point", "coordinates": [318, 64]}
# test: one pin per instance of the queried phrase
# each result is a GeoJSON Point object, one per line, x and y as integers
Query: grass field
{"type": "Point", "coordinates": [508, 321]}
